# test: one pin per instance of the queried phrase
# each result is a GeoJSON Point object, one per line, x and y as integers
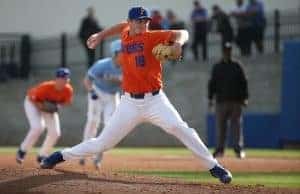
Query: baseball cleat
{"type": "Point", "coordinates": [97, 161]}
{"type": "Point", "coordinates": [20, 156]}
{"type": "Point", "coordinates": [97, 165]}
{"type": "Point", "coordinates": [221, 173]}
{"type": "Point", "coordinates": [240, 154]}
{"type": "Point", "coordinates": [39, 158]}
{"type": "Point", "coordinates": [52, 160]}
{"type": "Point", "coordinates": [82, 162]}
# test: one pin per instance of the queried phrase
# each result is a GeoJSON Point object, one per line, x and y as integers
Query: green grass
{"type": "Point", "coordinates": [180, 151]}
{"type": "Point", "coordinates": [272, 179]}
{"type": "Point", "coordinates": [268, 153]}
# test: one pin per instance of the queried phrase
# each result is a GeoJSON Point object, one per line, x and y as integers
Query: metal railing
{"type": "Point", "coordinates": [66, 49]}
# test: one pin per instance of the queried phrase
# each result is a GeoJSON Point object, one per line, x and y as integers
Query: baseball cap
{"type": "Point", "coordinates": [138, 13]}
{"type": "Point", "coordinates": [115, 46]}
{"type": "Point", "coordinates": [62, 72]}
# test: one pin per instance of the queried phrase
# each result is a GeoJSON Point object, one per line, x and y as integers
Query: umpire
{"type": "Point", "coordinates": [228, 85]}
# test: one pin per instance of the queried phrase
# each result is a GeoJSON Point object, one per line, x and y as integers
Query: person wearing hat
{"type": "Point", "coordinates": [57, 92]}
{"type": "Point", "coordinates": [102, 82]}
{"type": "Point", "coordinates": [229, 87]}
{"type": "Point", "coordinates": [144, 99]}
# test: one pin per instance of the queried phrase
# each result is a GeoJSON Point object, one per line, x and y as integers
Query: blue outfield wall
{"type": "Point", "coordinates": [290, 92]}
{"type": "Point", "coordinates": [273, 130]}
{"type": "Point", "coordinates": [260, 130]}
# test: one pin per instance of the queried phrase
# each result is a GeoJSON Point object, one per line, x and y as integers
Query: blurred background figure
{"type": "Point", "coordinates": [256, 11]}
{"type": "Point", "coordinates": [243, 28]}
{"type": "Point", "coordinates": [223, 25]}
{"type": "Point", "coordinates": [228, 86]}
{"type": "Point", "coordinates": [157, 19]}
{"type": "Point", "coordinates": [199, 19]}
{"type": "Point", "coordinates": [173, 23]}
{"type": "Point", "coordinates": [89, 25]}
{"type": "Point", "coordinates": [102, 82]}
{"type": "Point", "coordinates": [58, 91]}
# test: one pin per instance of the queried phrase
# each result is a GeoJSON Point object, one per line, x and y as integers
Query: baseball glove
{"type": "Point", "coordinates": [164, 52]}
{"type": "Point", "coordinates": [49, 107]}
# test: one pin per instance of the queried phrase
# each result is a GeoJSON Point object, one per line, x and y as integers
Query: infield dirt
{"type": "Point", "coordinates": [71, 178]}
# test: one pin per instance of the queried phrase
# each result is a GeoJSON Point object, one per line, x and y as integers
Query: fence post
{"type": "Point", "coordinates": [63, 50]}
{"type": "Point", "coordinates": [3, 73]}
{"type": "Point", "coordinates": [101, 49]}
{"type": "Point", "coordinates": [276, 30]}
{"type": "Point", "coordinates": [25, 56]}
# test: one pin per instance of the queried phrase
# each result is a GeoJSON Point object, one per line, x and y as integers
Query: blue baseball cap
{"type": "Point", "coordinates": [62, 72]}
{"type": "Point", "coordinates": [138, 13]}
{"type": "Point", "coordinates": [115, 46]}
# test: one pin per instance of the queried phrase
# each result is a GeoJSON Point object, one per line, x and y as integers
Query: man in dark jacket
{"type": "Point", "coordinates": [228, 85]}
{"type": "Point", "coordinates": [89, 26]}
{"type": "Point", "coordinates": [223, 24]}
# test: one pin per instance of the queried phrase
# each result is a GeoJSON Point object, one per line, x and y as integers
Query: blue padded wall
{"type": "Point", "coordinates": [290, 95]}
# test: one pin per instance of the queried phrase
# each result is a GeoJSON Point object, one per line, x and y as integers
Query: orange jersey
{"type": "Point", "coordinates": [142, 72]}
{"type": "Point", "coordinates": [47, 91]}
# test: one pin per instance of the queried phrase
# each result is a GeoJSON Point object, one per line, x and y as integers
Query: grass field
{"type": "Point", "coordinates": [269, 179]}
{"type": "Point", "coordinates": [265, 153]}
{"type": "Point", "coordinates": [273, 179]}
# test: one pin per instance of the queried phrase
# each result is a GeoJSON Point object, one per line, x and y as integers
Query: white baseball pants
{"type": "Point", "coordinates": [38, 121]}
{"type": "Point", "coordinates": [99, 110]}
{"type": "Point", "coordinates": [154, 109]}
{"type": "Point", "coordinates": [103, 108]}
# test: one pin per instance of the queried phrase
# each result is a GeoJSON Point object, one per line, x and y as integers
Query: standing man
{"type": "Point", "coordinates": [228, 85]}
{"type": "Point", "coordinates": [199, 18]}
{"type": "Point", "coordinates": [41, 107]}
{"type": "Point", "coordinates": [89, 25]}
{"type": "Point", "coordinates": [102, 82]}
{"type": "Point", "coordinates": [224, 26]}
{"type": "Point", "coordinates": [256, 11]}
{"type": "Point", "coordinates": [143, 99]}
{"type": "Point", "coordinates": [243, 28]}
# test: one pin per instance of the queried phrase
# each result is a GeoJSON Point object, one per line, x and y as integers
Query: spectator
{"type": "Point", "coordinates": [89, 25]}
{"type": "Point", "coordinates": [223, 25]}
{"type": "Point", "coordinates": [156, 21]}
{"type": "Point", "coordinates": [256, 12]}
{"type": "Point", "coordinates": [228, 85]}
{"type": "Point", "coordinates": [175, 24]}
{"type": "Point", "coordinates": [243, 28]}
{"type": "Point", "coordinates": [199, 20]}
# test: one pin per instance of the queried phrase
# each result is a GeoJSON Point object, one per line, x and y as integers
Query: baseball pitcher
{"type": "Point", "coordinates": [102, 82]}
{"type": "Point", "coordinates": [143, 99]}
{"type": "Point", "coordinates": [41, 105]}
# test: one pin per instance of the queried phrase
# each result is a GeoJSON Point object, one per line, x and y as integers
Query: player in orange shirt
{"type": "Point", "coordinates": [59, 92]}
{"type": "Point", "coordinates": [143, 99]}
